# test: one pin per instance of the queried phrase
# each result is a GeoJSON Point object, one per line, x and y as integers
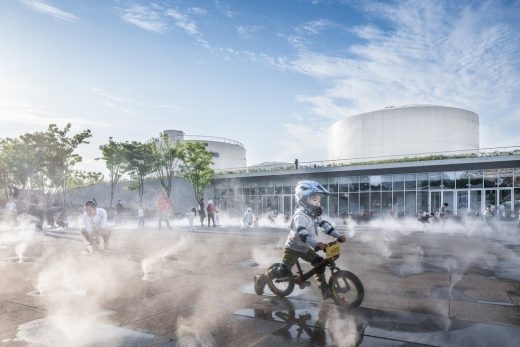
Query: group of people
{"type": "Point", "coordinates": [54, 214]}
{"type": "Point", "coordinates": [209, 211]}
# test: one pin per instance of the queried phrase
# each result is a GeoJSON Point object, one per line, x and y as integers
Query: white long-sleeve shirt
{"type": "Point", "coordinates": [98, 222]}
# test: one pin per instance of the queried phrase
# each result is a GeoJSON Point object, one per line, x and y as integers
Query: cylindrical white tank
{"type": "Point", "coordinates": [403, 130]}
{"type": "Point", "coordinates": [226, 153]}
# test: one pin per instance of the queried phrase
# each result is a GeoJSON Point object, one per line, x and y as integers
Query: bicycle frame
{"type": "Point", "coordinates": [304, 276]}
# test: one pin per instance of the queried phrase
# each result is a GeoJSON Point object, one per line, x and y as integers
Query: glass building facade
{"type": "Point", "coordinates": [465, 191]}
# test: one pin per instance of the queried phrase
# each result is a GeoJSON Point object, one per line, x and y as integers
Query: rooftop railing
{"type": "Point", "coordinates": [211, 138]}
{"type": "Point", "coordinates": [460, 154]}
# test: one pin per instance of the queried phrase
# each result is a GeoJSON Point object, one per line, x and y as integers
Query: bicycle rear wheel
{"type": "Point", "coordinates": [346, 288]}
{"type": "Point", "coordinates": [280, 280]}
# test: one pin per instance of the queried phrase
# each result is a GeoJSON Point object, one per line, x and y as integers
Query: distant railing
{"type": "Point", "coordinates": [460, 154]}
{"type": "Point", "coordinates": [211, 138]}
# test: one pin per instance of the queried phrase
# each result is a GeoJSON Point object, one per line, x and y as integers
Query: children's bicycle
{"type": "Point", "coordinates": [345, 287]}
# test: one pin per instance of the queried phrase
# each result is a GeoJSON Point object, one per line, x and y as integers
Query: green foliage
{"type": "Point", "coordinates": [114, 155]}
{"type": "Point", "coordinates": [78, 178]}
{"type": "Point", "coordinates": [139, 162]}
{"type": "Point", "coordinates": [195, 167]}
{"type": "Point", "coordinates": [41, 160]}
{"type": "Point", "coordinates": [167, 156]}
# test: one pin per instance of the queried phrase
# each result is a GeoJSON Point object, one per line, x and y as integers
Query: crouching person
{"type": "Point", "coordinates": [96, 226]}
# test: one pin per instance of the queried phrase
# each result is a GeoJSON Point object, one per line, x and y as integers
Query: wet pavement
{"type": "Point", "coordinates": [181, 288]}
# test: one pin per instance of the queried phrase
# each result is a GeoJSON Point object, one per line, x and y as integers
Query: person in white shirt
{"type": "Point", "coordinates": [140, 215]}
{"type": "Point", "coordinates": [96, 225]}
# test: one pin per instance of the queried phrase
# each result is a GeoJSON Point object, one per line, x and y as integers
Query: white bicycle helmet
{"type": "Point", "coordinates": [303, 192]}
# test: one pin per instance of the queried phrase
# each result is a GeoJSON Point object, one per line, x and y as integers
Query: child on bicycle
{"type": "Point", "coordinates": [301, 242]}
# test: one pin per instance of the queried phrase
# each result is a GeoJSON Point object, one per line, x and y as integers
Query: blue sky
{"type": "Point", "coordinates": [270, 74]}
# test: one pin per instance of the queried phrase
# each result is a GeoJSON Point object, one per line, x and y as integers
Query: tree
{"type": "Point", "coordinates": [20, 161]}
{"type": "Point", "coordinates": [167, 156]}
{"type": "Point", "coordinates": [55, 148]}
{"type": "Point", "coordinates": [76, 178]}
{"type": "Point", "coordinates": [139, 163]}
{"type": "Point", "coordinates": [195, 167]}
{"type": "Point", "coordinates": [114, 155]}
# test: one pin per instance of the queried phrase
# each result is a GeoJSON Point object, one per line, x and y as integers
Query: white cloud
{"type": "Point", "coordinates": [15, 111]}
{"type": "Point", "coordinates": [315, 27]}
{"type": "Point", "coordinates": [224, 9]}
{"type": "Point", "coordinates": [52, 11]}
{"type": "Point", "coordinates": [145, 18]}
{"type": "Point", "coordinates": [197, 11]}
{"type": "Point", "coordinates": [302, 141]}
{"type": "Point", "coordinates": [434, 53]}
{"type": "Point", "coordinates": [246, 31]}
{"type": "Point", "coordinates": [183, 21]}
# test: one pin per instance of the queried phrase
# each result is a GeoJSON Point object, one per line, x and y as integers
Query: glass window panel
{"type": "Point", "coordinates": [386, 202]}
{"type": "Point", "coordinates": [353, 185]}
{"type": "Point", "coordinates": [343, 205]}
{"type": "Point", "coordinates": [491, 197]}
{"type": "Point", "coordinates": [504, 204]}
{"type": "Point", "coordinates": [386, 182]}
{"type": "Point", "coordinates": [343, 184]}
{"type": "Point", "coordinates": [410, 181]}
{"type": "Point", "coordinates": [461, 179]}
{"type": "Point", "coordinates": [333, 205]}
{"type": "Point", "coordinates": [398, 182]}
{"type": "Point", "coordinates": [505, 178]}
{"type": "Point", "coordinates": [364, 183]}
{"type": "Point", "coordinates": [364, 205]}
{"type": "Point", "coordinates": [398, 202]}
{"type": "Point", "coordinates": [422, 201]}
{"type": "Point", "coordinates": [375, 183]}
{"type": "Point", "coordinates": [490, 178]}
{"type": "Point", "coordinates": [448, 180]}
{"type": "Point", "coordinates": [475, 178]}
{"type": "Point", "coordinates": [410, 203]}
{"type": "Point", "coordinates": [462, 202]}
{"type": "Point", "coordinates": [287, 190]}
{"type": "Point", "coordinates": [375, 201]}
{"type": "Point", "coordinates": [435, 180]}
{"type": "Point", "coordinates": [516, 201]}
{"type": "Point", "coordinates": [475, 201]}
{"type": "Point", "coordinates": [333, 185]}
{"type": "Point", "coordinates": [254, 191]}
{"type": "Point", "coordinates": [261, 190]}
{"type": "Point", "coordinates": [422, 181]}
{"type": "Point", "coordinates": [269, 190]}
{"type": "Point", "coordinates": [353, 203]}
{"type": "Point", "coordinates": [517, 178]}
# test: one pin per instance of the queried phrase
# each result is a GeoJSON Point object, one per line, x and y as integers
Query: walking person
{"type": "Point", "coordinates": [191, 217]}
{"type": "Point", "coordinates": [202, 211]}
{"type": "Point", "coordinates": [163, 208]}
{"type": "Point", "coordinates": [140, 216]}
{"type": "Point", "coordinates": [211, 212]}
{"type": "Point", "coordinates": [119, 211]}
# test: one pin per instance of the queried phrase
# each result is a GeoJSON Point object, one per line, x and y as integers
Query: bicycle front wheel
{"type": "Point", "coordinates": [346, 288]}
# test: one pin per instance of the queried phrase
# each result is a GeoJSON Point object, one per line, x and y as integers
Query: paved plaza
{"type": "Point", "coordinates": [181, 288]}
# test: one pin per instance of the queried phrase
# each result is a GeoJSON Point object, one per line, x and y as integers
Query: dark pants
{"type": "Point", "coordinates": [290, 257]}
{"type": "Point", "coordinates": [211, 216]}
{"type": "Point", "coordinates": [38, 213]}
{"type": "Point", "coordinates": [202, 216]}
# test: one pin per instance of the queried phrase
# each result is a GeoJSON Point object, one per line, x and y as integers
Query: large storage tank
{"type": "Point", "coordinates": [403, 130]}
{"type": "Point", "coordinates": [226, 153]}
